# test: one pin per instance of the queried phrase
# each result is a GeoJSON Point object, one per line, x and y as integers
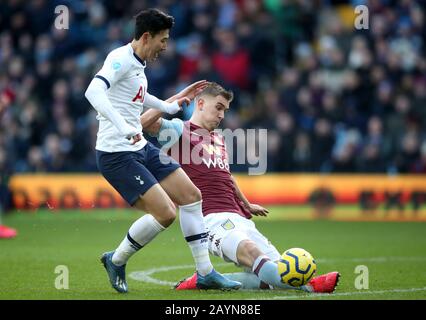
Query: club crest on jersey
{"type": "Point", "coordinates": [228, 225]}
{"type": "Point", "coordinates": [218, 140]}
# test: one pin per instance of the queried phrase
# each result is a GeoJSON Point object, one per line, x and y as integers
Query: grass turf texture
{"type": "Point", "coordinates": [394, 252]}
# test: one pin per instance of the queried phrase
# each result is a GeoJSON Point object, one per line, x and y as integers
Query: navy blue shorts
{"type": "Point", "coordinates": [132, 173]}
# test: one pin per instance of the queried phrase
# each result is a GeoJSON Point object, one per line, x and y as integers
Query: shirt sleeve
{"type": "Point", "coordinates": [114, 68]}
{"type": "Point", "coordinates": [170, 131]}
{"type": "Point", "coordinates": [155, 103]}
{"type": "Point", "coordinates": [96, 94]}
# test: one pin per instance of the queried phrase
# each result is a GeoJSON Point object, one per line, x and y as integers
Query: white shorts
{"type": "Point", "coordinates": [227, 230]}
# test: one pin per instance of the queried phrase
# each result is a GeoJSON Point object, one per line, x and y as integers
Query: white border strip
{"type": "Point", "coordinates": [342, 294]}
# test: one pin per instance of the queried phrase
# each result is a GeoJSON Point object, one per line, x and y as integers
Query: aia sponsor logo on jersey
{"type": "Point", "coordinates": [140, 95]}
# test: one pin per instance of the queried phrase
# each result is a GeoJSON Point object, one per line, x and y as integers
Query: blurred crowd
{"type": "Point", "coordinates": [333, 98]}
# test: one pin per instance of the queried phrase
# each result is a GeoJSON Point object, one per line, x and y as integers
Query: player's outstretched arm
{"type": "Point", "coordinates": [151, 119]}
{"type": "Point", "coordinates": [254, 209]}
{"type": "Point", "coordinates": [174, 104]}
{"type": "Point", "coordinates": [153, 102]}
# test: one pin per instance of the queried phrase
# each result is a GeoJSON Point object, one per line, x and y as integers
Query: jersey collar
{"type": "Point", "coordinates": [142, 62]}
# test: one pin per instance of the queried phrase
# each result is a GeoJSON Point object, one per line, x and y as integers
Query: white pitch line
{"type": "Point", "coordinates": [145, 275]}
{"type": "Point", "coordinates": [340, 294]}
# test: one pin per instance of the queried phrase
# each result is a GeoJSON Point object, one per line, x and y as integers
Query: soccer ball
{"type": "Point", "coordinates": [296, 267]}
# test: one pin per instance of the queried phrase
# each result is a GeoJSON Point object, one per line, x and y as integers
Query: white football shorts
{"type": "Point", "coordinates": [228, 229]}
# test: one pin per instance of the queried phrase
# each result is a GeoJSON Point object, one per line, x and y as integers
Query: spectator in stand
{"type": "Point", "coordinates": [231, 61]}
{"type": "Point", "coordinates": [293, 66]}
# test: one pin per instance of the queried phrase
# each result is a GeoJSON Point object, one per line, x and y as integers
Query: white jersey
{"type": "Point", "coordinates": [124, 75]}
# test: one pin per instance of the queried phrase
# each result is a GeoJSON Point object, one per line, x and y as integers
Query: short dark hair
{"type": "Point", "coordinates": [214, 89]}
{"type": "Point", "coordinates": [152, 21]}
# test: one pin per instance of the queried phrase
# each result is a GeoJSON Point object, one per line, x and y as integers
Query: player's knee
{"type": "Point", "coordinates": [248, 246]}
{"type": "Point", "coordinates": [194, 195]}
{"type": "Point", "coordinates": [168, 215]}
{"type": "Point", "coordinates": [249, 249]}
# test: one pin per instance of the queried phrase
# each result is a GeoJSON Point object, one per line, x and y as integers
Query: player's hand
{"type": "Point", "coordinates": [183, 102]}
{"type": "Point", "coordinates": [257, 210]}
{"type": "Point", "coordinates": [136, 138]}
{"type": "Point", "coordinates": [193, 90]}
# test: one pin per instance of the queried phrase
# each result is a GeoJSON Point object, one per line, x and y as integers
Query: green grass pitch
{"type": "Point", "coordinates": [393, 252]}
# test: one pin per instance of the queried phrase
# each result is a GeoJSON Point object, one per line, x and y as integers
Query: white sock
{"type": "Point", "coordinates": [195, 233]}
{"type": "Point", "coordinates": [140, 233]}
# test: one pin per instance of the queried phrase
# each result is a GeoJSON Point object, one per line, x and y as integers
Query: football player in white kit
{"type": "Point", "coordinates": [133, 166]}
{"type": "Point", "coordinates": [227, 212]}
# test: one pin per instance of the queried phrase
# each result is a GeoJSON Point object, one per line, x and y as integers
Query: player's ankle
{"type": "Point", "coordinates": [205, 270]}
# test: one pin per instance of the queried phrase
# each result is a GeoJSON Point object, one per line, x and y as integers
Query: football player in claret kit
{"type": "Point", "coordinates": [133, 166]}
{"type": "Point", "coordinates": [227, 212]}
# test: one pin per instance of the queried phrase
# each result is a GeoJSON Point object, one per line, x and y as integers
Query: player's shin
{"type": "Point", "coordinates": [195, 233]}
{"type": "Point", "coordinates": [140, 233]}
{"type": "Point", "coordinates": [267, 271]}
{"type": "Point", "coordinates": [249, 281]}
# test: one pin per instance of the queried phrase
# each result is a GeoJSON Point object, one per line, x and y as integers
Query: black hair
{"type": "Point", "coordinates": [152, 21]}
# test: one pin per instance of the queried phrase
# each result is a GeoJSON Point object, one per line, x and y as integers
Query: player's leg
{"type": "Point", "coordinates": [260, 256]}
{"type": "Point", "coordinates": [240, 247]}
{"type": "Point", "coordinates": [255, 253]}
{"type": "Point", "coordinates": [245, 256]}
{"type": "Point", "coordinates": [235, 239]}
{"type": "Point", "coordinates": [127, 174]}
{"type": "Point", "coordinates": [220, 226]}
{"type": "Point", "coordinates": [183, 192]}
{"type": "Point", "coordinates": [186, 195]}
{"type": "Point", "coordinates": [5, 232]}
{"type": "Point", "coordinates": [141, 232]}
{"type": "Point", "coordinates": [236, 247]}
{"type": "Point", "coordinates": [232, 238]}
{"type": "Point", "coordinates": [162, 213]}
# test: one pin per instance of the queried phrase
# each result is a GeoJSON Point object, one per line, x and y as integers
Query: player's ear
{"type": "Point", "coordinates": [200, 104]}
{"type": "Point", "coordinates": [145, 37]}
